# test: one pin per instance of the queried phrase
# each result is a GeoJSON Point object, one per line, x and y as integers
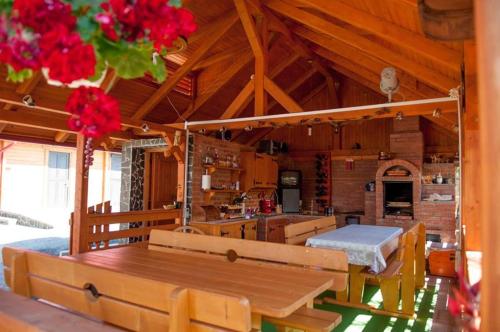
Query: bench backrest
{"type": "Point", "coordinates": [130, 302]}
{"type": "Point", "coordinates": [255, 252]}
{"type": "Point", "coordinates": [298, 233]}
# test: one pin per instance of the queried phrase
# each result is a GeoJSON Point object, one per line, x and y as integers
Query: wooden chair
{"type": "Point", "coordinates": [189, 229]}
{"type": "Point", "coordinates": [257, 252]}
{"type": "Point", "coordinates": [298, 233]}
{"type": "Point", "coordinates": [405, 271]}
{"type": "Point", "coordinates": [129, 302]}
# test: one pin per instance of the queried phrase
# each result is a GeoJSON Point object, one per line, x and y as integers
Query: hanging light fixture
{"type": "Point", "coordinates": [29, 101]}
{"type": "Point", "coordinates": [389, 83]}
{"type": "Point", "coordinates": [436, 113]}
{"type": "Point", "coordinates": [399, 116]}
{"type": "Point", "coordinates": [309, 130]}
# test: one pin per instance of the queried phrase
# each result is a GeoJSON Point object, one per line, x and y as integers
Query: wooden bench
{"type": "Point", "coordinates": [257, 252]}
{"type": "Point", "coordinates": [405, 271]}
{"type": "Point", "coordinates": [20, 314]}
{"type": "Point", "coordinates": [126, 301]}
{"type": "Point", "coordinates": [298, 233]}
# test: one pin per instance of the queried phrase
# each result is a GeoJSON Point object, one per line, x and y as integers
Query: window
{"type": "Point", "coordinates": [58, 179]}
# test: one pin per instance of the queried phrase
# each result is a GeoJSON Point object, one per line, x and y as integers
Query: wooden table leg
{"type": "Point", "coordinates": [356, 283]}
{"type": "Point", "coordinates": [256, 322]}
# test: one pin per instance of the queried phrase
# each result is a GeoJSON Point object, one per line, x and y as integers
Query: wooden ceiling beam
{"type": "Point", "coordinates": [230, 53]}
{"type": "Point", "coordinates": [431, 77]}
{"type": "Point", "coordinates": [386, 30]}
{"type": "Point", "coordinates": [46, 121]}
{"type": "Point", "coordinates": [260, 52]}
{"type": "Point", "coordinates": [329, 45]}
{"type": "Point", "coordinates": [216, 32]}
{"type": "Point", "coordinates": [107, 84]}
{"type": "Point", "coordinates": [295, 85]}
{"type": "Point", "coordinates": [281, 97]}
{"type": "Point", "coordinates": [219, 82]}
{"type": "Point", "coordinates": [299, 47]}
{"type": "Point", "coordinates": [245, 96]}
{"type": "Point", "coordinates": [242, 99]}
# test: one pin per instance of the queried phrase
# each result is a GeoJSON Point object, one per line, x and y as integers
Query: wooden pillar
{"type": "Point", "coordinates": [105, 157]}
{"type": "Point", "coordinates": [79, 229]}
{"type": "Point", "coordinates": [488, 55]}
{"type": "Point", "coordinates": [470, 152]}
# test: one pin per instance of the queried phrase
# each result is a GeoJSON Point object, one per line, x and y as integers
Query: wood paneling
{"type": "Point", "coordinates": [162, 180]}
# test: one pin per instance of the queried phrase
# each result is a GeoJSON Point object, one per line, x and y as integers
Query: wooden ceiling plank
{"type": "Point", "coordinates": [241, 99]}
{"type": "Point", "coordinates": [260, 53]}
{"type": "Point", "coordinates": [232, 52]}
{"type": "Point", "coordinates": [281, 97]}
{"type": "Point", "coordinates": [386, 30]}
{"type": "Point", "coordinates": [439, 81]}
{"type": "Point", "coordinates": [26, 87]}
{"type": "Point", "coordinates": [295, 85]}
{"type": "Point", "coordinates": [217, 31]}
{"type": "Point", "coordinates": [107, 84]}
{"type": "Point", "coordinates": [329, 45]}
{"type": "Point", "coordinates": [219, 82]}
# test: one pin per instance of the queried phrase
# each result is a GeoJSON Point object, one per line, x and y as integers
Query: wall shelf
{"type": "Point", "coordinates": [208, 194]}
{"type": "Point", "coordinates": [213, 168]}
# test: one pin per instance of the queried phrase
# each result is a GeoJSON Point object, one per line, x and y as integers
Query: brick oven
{"type": "Point", "coordinates": [398, 192]}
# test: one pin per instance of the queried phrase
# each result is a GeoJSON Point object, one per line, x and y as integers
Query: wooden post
{"type": "Point", "coordinates": [105, 156]}
{"type": "Point", "coordinates": [470, 153]}
{"type": "Point", "coordinates": [79, 226]}
{"type": "Point", "coordinates": [2, 144]}
{"type": "Point", "coordinates": [488, 52]}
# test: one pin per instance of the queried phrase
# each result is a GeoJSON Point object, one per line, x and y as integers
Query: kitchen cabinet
{"type": "Point", "coordinates": [261, 171]}
{"type": "Point", "coordinates": [239, 229]}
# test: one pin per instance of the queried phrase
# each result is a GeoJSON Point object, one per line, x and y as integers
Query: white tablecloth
{"type": "Point", "coordinates": [364, 244]}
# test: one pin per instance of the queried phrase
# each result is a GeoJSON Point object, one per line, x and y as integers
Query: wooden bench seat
{"type": "Point", "coordinates": [20, 314]}
{"type": "Point", "coordinates": [127, 301]}
{"type": "Point", "coordinates": [298, 233]}
{"type": "Point", "coordinates": [405, 271]}
{"type": "Point", "coordinates": [308, 319]}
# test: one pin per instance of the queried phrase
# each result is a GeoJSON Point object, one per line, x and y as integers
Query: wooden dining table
{"type": "Point", "coordinates": [271, 290]}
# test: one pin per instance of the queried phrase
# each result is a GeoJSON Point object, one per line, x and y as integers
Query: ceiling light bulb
{"type": "Point", "coordinates": [436, 113]}
{"type": "Point", "coordinates": [29, 101]}
{"type": "Point", "coordinates": [145, 127]}
{"type": "Point", "coordinates": [399, 116]}
{"type": "Point", "coordinates": [309, 130]}
{"type": "Point", "coordinates": [248, 128]}
{"type": "Point", "coordinates": [202, 131]}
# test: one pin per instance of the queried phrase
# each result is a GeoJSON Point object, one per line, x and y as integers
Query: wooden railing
{"type": "Point", "coordinates": [105, 229]}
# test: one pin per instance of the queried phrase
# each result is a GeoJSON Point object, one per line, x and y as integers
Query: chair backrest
{"type": "Point", "coordinates": [188, 229]}
{"type": "Point", "coordinates": [255, 252]}
{"type": "Point", "coordinates": [130, 302]}
{"type": "Point", "coordinates": [298, 233]}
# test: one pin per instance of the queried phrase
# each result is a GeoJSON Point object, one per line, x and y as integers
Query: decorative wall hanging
{"type": "Point", "coordinates": [75, 42]}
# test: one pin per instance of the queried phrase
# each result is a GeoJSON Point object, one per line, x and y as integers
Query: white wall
{"type": "Point", "coordinates": [24, 182]}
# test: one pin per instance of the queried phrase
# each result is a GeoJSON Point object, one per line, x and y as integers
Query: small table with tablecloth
{"type": "Point", "coordinates": [365, 245]}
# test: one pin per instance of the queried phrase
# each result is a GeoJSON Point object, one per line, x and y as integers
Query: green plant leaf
{"type": "Point", "coordinates": [18, 76]}
{"type": "Point", "coordinates": [129, 61]}
{"type": "Point", "coordinates": [158, 70]}
{"type": "Point", "coordinates": [6, 6]}
{"type": "Point", "coordinates": [87, 27]}
{"type": "Point", "coordinates": [175, 3]}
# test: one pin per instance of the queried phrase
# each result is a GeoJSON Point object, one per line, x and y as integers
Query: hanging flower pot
{"type": "Point", "coordinates": [75, 84]}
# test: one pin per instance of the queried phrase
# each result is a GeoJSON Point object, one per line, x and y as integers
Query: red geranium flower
{"type": "Point", "coordinates": [93, 113]}
{"type": "Point", "coordinates": [44, 15]}
{"type": "Point", "coordinates": [66, 56]}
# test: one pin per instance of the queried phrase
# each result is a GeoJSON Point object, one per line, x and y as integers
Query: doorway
{"type": "Point", "coordinates": [160, 180]}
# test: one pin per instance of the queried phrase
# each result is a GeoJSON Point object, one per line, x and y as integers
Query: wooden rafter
{"type": "Point", "coordinates": [217, 31]}
{"type": "Point", "coordinates": [259, 51]}
{"type": "Point", "coordinates": [245, 96]}
{"type": "Point", "coordinates": [24, 88]}
{"type": "Point", "coordinates": [107, 84]}
{"type": "Point", "coordinates": [295, 85]}
{"type": "Point", "coordinates": [331, 48]}
{"type": "Point", "coordinates": [431, 77]}
{"type": "Point", "coordinates": [414, 42]}
{"type": "Point", "coordinates": [281, 97]}
{"type": "Point", "coordinates": [219, 82]}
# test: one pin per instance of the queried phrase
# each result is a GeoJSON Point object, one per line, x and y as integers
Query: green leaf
{"type": "Point", "coordinates": [87, 27]}
{"type": "Point", "coordinates": [175, 3]}
{"type": "Point", "coordinates": [158, 70]}
{"type": "Point", "coordinates": [100, 67]}
{"type": "Point", "coordinates": [6, 6]}
{"type": "Point", "coordinates": [18, 76]}
{"type": "Point", "coordinates": [129, 61]}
